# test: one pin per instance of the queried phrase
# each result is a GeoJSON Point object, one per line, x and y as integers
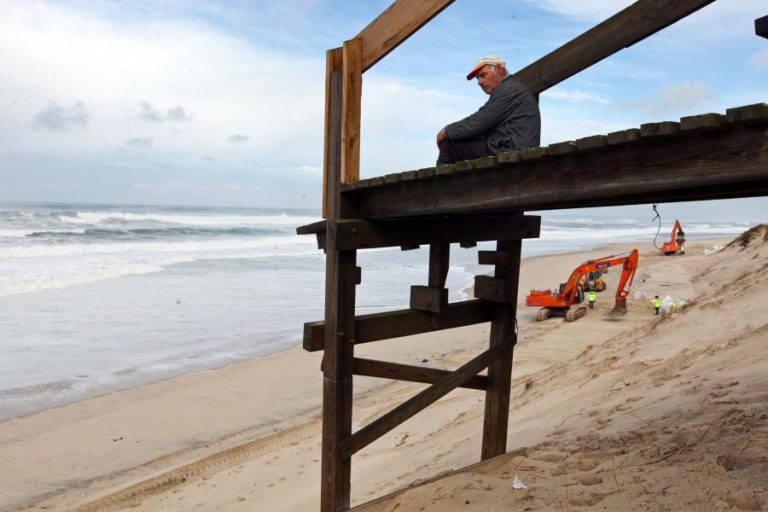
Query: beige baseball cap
{"type": "Point", "coordinates": [488, 60]}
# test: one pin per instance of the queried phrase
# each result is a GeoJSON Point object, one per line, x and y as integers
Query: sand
{"type": "Point", "coordinates": [641, 413]}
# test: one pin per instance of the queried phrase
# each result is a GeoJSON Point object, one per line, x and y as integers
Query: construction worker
{"type": "Point", "coordinates": [656, 303]}
{"type": "Point", "coordinates": [682, 250]}
{"type": "Point", "coordinates": [591, 298]}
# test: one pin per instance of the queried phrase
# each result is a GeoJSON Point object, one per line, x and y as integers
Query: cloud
{"type": "Point", "coordinates": [149, 70]}
{"type": "Point", "coordinates": [151, 114]}
{"type": "Point", "coordinates": [576, 96]}
{"type": "Point", "coordinates": [674, 100]}
{"type": "Point", "coordinates": [140, 142]}
{"type": "Point", "coordinates": [208, 158]}
{"type": "Point", "coordinates": [308, 170]}
{"type": "Point", "coordinates": [589, 10]}
{"type": "Point", "coordinates": [238, 137]}
{"type": "Point", "coordinates": [58, 118]}
{"type": "Point", "coordinates": [177, 113]}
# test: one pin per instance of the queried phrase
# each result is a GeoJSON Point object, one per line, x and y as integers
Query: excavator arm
{"type": "Point", "coordinates": [568, 294]}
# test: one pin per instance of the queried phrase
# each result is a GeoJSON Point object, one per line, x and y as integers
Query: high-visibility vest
{"type": "Point", "coordinates": [656, 303]}
{"type": "Point", "coordinates": [591, 296]}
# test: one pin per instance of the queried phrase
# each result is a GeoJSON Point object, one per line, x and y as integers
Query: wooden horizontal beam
{"type": "Point", "coordinates": [361, 234]}
{"type": "Point", "coordinates": [404, 322]}
{"type": "Point", "coordinates": [761, 26]}
{"type": "Point", "coordinates": [429, 298]}
{"type": "Point", "coordinates": [493, 257]}
{"type": "Point", "coordinates": [688, 166]}
{"type": "Point", "coordinates": [396, 24]}
{"type": "Point", "coordinates": [495, 289]}
{"type": "Point", "coordinates": [411, 407]}
{"type": "Point", "coordinates": [633, 24]}
{"type": "Point", "coordinates": [397, 371]}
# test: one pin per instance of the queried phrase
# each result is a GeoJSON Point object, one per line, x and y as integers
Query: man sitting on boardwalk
{"type": "Point", "coordinates": [509, 120]}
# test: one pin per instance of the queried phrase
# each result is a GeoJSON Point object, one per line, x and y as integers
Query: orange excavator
{"type": "Point", "coordinates": [676, 241]}
{"type": "Point", "coordinates": [571, 292]}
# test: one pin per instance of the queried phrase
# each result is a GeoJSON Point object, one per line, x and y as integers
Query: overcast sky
{"type": "Point", "coordinates": [221, 103]}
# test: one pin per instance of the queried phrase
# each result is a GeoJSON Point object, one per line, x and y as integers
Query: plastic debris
{"type": "Point", "coordinates": [518, 484]}
{"type": "Point", "coordinates": [672, 304]}
{"type": "Point", "coordinates": [713, 250]}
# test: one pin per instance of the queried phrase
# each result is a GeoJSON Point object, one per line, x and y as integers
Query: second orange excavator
{"type": "Point", "coordinates": [676, 241]}
{"type": "Point", "coordinates": [564, 302]}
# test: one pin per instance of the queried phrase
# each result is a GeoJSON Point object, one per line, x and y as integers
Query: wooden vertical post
{"type": "Point", "coordinates": [340, 279]}
{"type": "Point", "coordinates": [503, 333]}
{"type": "Point", "coordinates": [439, 260]}
{"type": "Point", "coordinates": [350, 110]}
{"type": "Point", "coordinates": [333, 63]}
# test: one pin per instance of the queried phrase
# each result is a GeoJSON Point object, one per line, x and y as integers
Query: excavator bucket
{"type": "Point", "coordinates": [620, 308]}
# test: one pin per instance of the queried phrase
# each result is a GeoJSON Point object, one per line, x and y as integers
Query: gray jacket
{"type": "Point", "coordinates": [509, 120]}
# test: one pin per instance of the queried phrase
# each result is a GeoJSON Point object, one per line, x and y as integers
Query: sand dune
{"type": "Point", "coordinates": [641, 413]}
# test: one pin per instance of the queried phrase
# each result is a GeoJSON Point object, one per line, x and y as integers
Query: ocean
{"type": "Point", "coordinates": [98, 298]}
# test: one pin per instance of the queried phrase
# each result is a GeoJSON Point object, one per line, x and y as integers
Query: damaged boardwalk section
{"type": "Point", "coordinates": [711, 156]}
{"type": "Point", "coordinates": [708, 156]}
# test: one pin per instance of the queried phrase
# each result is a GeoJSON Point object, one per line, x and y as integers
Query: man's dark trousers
{"type": "Point", "coordinates": [452, 151]}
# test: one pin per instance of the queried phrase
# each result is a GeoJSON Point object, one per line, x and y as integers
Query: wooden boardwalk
{"type": "Point", "coordinates": [709, 156]}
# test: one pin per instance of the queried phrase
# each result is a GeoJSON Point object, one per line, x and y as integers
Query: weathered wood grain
{"type": "Point", "coordinates": [397, 371]}
{"type": "Point", "coordinates": [396, 24]}
{"type": "Point", "coordinates": [404, 322]}
{"type": "Point", "coordinates": [633, 24]}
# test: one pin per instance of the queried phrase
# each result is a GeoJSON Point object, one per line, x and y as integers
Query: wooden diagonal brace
{"type": "Point", "coordinates": [408, 409]}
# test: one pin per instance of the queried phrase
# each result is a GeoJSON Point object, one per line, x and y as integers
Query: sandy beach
{"type": "Point", "coordinates": [647, 412]}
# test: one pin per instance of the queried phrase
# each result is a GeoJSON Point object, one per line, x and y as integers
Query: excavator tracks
{"type": "Point", "coordinates": [574, 314]}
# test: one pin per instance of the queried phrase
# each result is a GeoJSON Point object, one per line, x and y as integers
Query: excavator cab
{"type": "Point", "coordinates": [676, 243]}
{"type": "Point", "coordinates": [593, 281]}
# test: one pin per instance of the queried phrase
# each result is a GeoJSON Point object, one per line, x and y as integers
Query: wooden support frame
{"type": "Point", "coordinates": [409, 408]}
{"type": "Point", "coordinates": [345, 232]}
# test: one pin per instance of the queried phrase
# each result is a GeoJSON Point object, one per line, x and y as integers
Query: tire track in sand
{"type": "Point", "coordinates": [208, 465]}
